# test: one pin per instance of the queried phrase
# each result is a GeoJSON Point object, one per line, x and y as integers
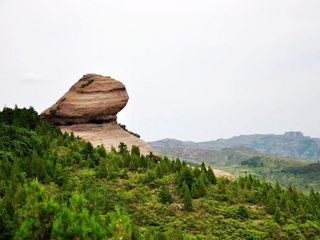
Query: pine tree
{"type": "Point", "coordinates": [187, 200]}
{"type": "Point", "coordinates": [101, 151]}
{"type": "Point", "coordinates": [271, 202]}
{"type": "Point", "coordinates": [123, 149]}
{"type": "Point", "coordinates": [201, 187]}
{"type": "Point", "coordinates": [196, 172]}
{"type": "Point", "coordinates": [287, 211]}
{"type": "Point", "coordinates": [204, 179]}
{"type": "Point", "coordinates": [165, 195]}
{"type": "Point", "coordinates": [278, 217]}
{"type": "Point", "coordinates": [133, 165]}
{"type": "Point", "coordinates": [194, 191]}
{"type": "Point", "coordinates": [159, 171]}
{"type": "Point", "coordinates": [186, 176]}
{"type": "Point", "coordinates": [37, 168]}
{"type": "Point", "coordinates": [88, 149]}
{"type": "Point", "coordinates": [203, 167]}
{"type": "Point", "coordinates": [135, 151]}
{"type": "Point", "coordinates": [211, 177]}
{"type": "Point", "coordinates": [177, 165]}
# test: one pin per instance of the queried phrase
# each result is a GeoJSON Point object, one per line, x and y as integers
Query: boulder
{"type": "Point", "coordinates": [93, 99]}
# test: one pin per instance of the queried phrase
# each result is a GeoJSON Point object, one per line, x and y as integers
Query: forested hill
{"type": "Point", "coordinates": [293, 144]}
{"type": "Point", "coordinates": [56, 186]}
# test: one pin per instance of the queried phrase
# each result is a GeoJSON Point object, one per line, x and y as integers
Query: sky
{"type": "Point", "coordinates": [194, 70]}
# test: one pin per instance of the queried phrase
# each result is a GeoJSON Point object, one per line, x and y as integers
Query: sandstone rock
{"type": "Point", "coordinates": [108, 134]}
{"type": "Point", "coordinates": [93, 99]}
{"type": "Point", "coordinates": [89, 110]}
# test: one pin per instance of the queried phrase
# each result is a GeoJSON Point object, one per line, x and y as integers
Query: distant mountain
{"type": "Point", "coordinates": [292, 144]}
{"type": "Point", "coordinates": [271, 157]}
{"type": "Point", "coordinates": [223, 157]}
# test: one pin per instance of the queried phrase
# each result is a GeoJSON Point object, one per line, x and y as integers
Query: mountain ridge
{"type": "Point", "coordinates": [292, 144]}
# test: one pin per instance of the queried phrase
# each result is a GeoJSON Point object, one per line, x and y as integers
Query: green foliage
{"type": "Point", "coordinates": [278, 217]}
{"type": "Point", "coordinates": [125, 128]}
{"type": "Point", "coordinates": [56, 186]}
{"type": "Point", "coordinates": [210, 176]}
{"type": "Point", "coordinates": [255, 161]}
{"type": "Point", "coordinates": [165, 195]}
{"type": "Point", "coordinates": [19, 117]}
{"type": "Point", "coordinates": [87, 83]}
{"type": "Point", "coordinates": [35, 217]}
{"type": "Point", "coordinates": [74, 221]}
{"type": "Point", "coordinates": [186, 197]}
{"type": "Point", "coordinates": [243, 212]}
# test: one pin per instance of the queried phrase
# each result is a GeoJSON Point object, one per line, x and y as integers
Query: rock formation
{"type": "Point", "coordinates": [93, 99]}
{"type": "Point", "coordinates": [89, 110]}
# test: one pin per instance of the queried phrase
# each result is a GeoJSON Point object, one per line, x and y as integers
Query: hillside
{"type": "Point", "coordinates": [300, 173]}
{"type": "Point", "coordinates": [292, 144]}
{"type": "Point", "coordinates": [219, 158]}
{"type": "Point", "coordinates": [56, 186]}
{"type": "Point", "coordinates": [286, 170]}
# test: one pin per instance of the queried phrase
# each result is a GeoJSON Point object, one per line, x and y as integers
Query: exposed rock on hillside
{"type": "Point", "coordinates": [93, 99]}
{"type": "Point", "coordinates": [108, 134]}
{"type": "Point", "coordinates": [89, 110]}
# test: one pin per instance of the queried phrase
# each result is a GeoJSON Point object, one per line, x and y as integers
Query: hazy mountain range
{"type": "Point", "coordinates": [292, 144]}
{"type": "Point", "coordinates": [289, 158]}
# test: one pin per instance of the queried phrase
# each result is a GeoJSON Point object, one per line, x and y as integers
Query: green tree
{"type": "Point", "coordinates": [165, 195]}
{"type": "Point", "coordinates": [75, 222]}
{"type": "Point", "coordinates": [135, 151]}
{"type": "Point", "coordinates": [211, 177]}
{"type": "Point", "coordinates": [201, 187]}
{"type": "Point", "coordinates": [187, 200]}
{"type": "Point", "coordinates": [159, 171]}
{"type": "Point", "coordinates": [123, 149]}
{"type": "Point", "coordinates": [35, 218]}
{"type": "Point", "coordinates": [186, 176]}
{"type": "Point", "coordinates": [203, 167]}
{"type": "Point", "coordinates": [194, 190]}
{"type": "Point", "coordinates": [177, 165]}
{"type": "Point", "coordinates": [278, 216]}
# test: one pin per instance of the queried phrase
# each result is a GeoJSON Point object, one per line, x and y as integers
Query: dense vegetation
{"type": "Point", "coordinates": [304, 174]}
{"type": "Point", "coordinates": [56, 186]}
{"type": "Point", "coordinates": [300, 173]}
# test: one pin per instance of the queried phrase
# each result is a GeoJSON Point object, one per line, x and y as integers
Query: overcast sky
{"type": "Point", "coordinates": [194, 70]}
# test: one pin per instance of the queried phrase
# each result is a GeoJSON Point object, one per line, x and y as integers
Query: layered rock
{"type": "Point", "coordinates": [89, 110]}
{"type": "Point", "coordinates": [93, 99]}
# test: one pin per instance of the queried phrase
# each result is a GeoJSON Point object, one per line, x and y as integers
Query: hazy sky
{"type": "Point", "coordinates": [194, 70]}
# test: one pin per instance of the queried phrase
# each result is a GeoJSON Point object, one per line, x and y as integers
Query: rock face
{"type": "Point", "coordinates": [89, 110]}
{"type": "Point", "coordinates": [93, 99]}
{"type": "Point", "coordinates": [108, 134]}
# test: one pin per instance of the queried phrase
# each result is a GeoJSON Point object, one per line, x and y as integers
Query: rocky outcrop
{"type": "Point", "coordinates": [93, 99]}
{"type": "Point", "coordinates": [108, 134]}
{"type": "Point", "coordinates": [89, 110]}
